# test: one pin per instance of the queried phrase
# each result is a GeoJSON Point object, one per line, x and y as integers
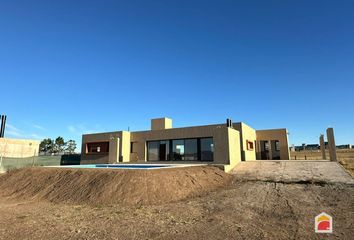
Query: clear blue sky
{"type": "Point", "coordinates": [68, 67]}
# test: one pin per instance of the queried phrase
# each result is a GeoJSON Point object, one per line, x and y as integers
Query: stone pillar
{"type": "Point", "coordinates": [323, 147]}
{"type": "Point", "coordinates": [331, 145]}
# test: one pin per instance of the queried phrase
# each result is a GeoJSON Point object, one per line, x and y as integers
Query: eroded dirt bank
{"type": "Point", "coordinates": [112, 186]}
{"type": "Point", "coordinates": [245, 210]}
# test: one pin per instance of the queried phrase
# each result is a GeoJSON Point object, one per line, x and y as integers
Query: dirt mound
{"type": "Point", "coordinates": [106, 186]}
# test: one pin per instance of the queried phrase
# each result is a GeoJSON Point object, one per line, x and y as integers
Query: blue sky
{"type": "Point", "coordinates": [69, 67]}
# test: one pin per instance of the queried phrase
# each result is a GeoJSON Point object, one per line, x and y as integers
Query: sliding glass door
{"type": "Point", "coordinates": [177, 150]}
{"type": "Point", "coordinates": [153, 151]}
{"type": "Point", "coordinates": [158, 150]}
{"type": "Point", "coordinates": [191, 149]}
{"type": "Point", "coordinates": [206, 149]}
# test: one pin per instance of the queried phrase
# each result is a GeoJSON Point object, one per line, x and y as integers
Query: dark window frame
{"type": "Point", "coordinates": [132, 147]}
{"type": "Point", "coordinates": [250, 145]}
{"type": "Point", "coordinates": [89, 148]}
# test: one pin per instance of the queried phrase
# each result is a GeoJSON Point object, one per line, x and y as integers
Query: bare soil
{"type": "Point", "coordinates": [345, 157]}
{"type": "Point", "coordinates": [112, 186]}
{"type": "Point", "coordinates": [234, 210]}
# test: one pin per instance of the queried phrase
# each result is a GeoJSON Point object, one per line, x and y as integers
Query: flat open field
{"type": "Point", "coordinates": [345, 157]}
{"type": "Point", "coordinates": [224, 208]}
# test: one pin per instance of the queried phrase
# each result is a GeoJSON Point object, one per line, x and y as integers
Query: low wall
{"type": "Point", "coordinates": [18, 148]}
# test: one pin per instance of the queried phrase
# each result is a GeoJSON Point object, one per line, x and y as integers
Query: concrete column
{"type": "Point", "coordinates": [331, 144]}
{"type": "Point", "coordinates": [125, 143]}
{"type": "Point", "coordinates": [113, 156]}
{"type": "Point", "coordinates": [258, 150]}
{"type": "Point", "coordinates": [323, 147]}
{"type": "Point", "coordinates": [227, 147]}
{"type": "Point", "coordinates": [284, 147]}
{"type": "Point", "coordinates": [270, 149]}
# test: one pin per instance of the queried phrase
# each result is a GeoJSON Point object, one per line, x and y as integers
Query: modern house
{"type": "Point", "coordinates": [224, 144]}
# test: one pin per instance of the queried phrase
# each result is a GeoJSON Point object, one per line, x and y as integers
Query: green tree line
{"type": "Point", "coordinates": [57, 146]}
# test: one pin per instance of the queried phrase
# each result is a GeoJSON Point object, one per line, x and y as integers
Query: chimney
{"type": "Point", "coordinates": [2, 120]}
{"type": "Point", "coordinates": [228, 122]}
{"type": "Point", "coordinates": [3, 124]}
{"type": "Point", "coordinates": [3, 130]}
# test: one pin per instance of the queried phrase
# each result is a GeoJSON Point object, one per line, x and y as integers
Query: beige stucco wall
{"type": "Point", "coordinates": [274, 134]}
{"type": "Point", "coordinates": [18, 148]}
{"type": "Point", "coordinates": [234, 149]}
{"type": "Point", "coordinates": [246, 134]}
{"type": "Point", "coordinates": [226, 146]}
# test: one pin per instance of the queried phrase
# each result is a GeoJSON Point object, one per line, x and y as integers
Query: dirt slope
{"type": "Point", "coordinates": [103, 186]}
{"type": "Point", "coordinates": [244, 210]}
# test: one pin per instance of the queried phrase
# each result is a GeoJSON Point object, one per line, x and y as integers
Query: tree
{"type": "Point", "coordinates": [46, 146]}
{"type": "Point", "coordinates": [59, 145]}
{"type": "Point", "coordinates": [70, 146]}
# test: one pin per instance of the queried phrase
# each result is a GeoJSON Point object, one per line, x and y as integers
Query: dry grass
{"type": "Point", "coordinates": [345, 157]}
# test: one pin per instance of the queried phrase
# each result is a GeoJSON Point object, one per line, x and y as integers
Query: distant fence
{"type": "Point", "coordinates": [14, 163]}
{"type": "Point", "coordinates": [72, 159]}
{"type": "Point", "coordinates": [342, 154]}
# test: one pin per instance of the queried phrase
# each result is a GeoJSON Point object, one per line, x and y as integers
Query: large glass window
{"type": "Point", "coordinates": [178, 150]}
{"type": "Point", "coordinates": [181, 149]}
{"type": "Point", "coordinates": [158, 150]}
{"type": "Point", "coordinates": [153, 150]}
{"type": "Point", "coordinates": [190, 149]}
{"type": "Point", "coordinates": [206, 149]}
{"type": "Point", "coordinates": [277, 145]}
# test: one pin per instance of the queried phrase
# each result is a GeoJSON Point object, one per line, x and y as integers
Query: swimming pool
{"type": "Point", "coordinates": [129, 166]}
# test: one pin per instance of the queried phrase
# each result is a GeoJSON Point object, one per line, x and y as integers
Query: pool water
{"type": "Point", "coordinates": [125, 166]}
{"type": "Point", "coordinates": [129, 166]}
